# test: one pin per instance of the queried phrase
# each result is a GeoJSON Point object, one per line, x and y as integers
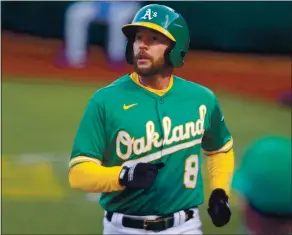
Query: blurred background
{"type": "Point", "coordinates": [56, 54]}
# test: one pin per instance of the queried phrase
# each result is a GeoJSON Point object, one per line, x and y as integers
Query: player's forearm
{"type": "Point", "coordinates": [91, 177]}
{"type": "Point", "coordinates": [220, 170]}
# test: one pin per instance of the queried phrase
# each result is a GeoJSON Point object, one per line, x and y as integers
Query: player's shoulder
{"type": "Point", "coordinates": [194, 88]}
{"type": "Point", "coordinates": [109, 91]}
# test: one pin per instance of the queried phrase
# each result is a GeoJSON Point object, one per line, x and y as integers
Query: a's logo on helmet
{"type": "Point", "coordinates": [149, 14]}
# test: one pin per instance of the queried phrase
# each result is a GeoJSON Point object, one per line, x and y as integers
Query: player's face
{"type": "Point", "coordinates": [149, 48]}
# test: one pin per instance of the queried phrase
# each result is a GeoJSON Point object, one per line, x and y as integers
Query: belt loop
{"type": "Point", "coordinates": [115, 219]}
{"type": "Point", "coordinates": [182, 216]}
{"type": "Point", "coordinates": [119, 219]}
{"type": "Point", "coordinates": [176, 217]}
{"type": "Point", "coordinates": [196, 212]}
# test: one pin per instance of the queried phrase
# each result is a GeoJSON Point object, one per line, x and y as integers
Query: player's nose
{"type": "Point", "coordinates": [143, 44]}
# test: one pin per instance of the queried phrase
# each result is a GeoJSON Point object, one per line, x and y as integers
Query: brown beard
{"type": "Point", "coordinates": [154, 69]}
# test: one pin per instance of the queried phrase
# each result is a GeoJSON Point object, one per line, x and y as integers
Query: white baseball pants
{"type": "Point", "coordinates": [192, 226]}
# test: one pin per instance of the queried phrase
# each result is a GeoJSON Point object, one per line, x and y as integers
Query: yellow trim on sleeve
{"type": "Point", "coordinates": [92, 177]}
{"type": "Point", "coordinates": [135, 78]}
{"type": "Point", "coordinates": [220, 170]}
{"type": "Point", "coordinates": [224, 149]}
{"type": "Point", "coordinates": [79, 159]}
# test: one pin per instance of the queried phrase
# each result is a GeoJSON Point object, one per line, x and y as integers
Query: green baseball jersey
{"type": "Point", "coordinates": [125, 124]}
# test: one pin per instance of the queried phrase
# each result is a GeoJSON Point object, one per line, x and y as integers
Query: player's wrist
{"type": "Point", "coordinates": [219, 194]}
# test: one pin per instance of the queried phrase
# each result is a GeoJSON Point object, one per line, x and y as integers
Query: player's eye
{"type": "Point", "coordinates": [138, 37]}
{"type": "Point", "coordinates": [154, 38]}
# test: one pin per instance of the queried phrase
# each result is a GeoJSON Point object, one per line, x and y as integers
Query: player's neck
{"type": "Point", "coordinates": [157, 82]}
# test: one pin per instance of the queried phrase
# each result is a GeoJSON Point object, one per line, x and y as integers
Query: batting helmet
{"type": "Point", "coordinates": [166, 21]}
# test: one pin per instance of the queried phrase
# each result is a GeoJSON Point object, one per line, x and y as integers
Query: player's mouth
{"type": "Point", "coordinates": [143, 59]}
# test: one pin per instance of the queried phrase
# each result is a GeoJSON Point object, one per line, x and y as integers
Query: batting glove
{"type": "Point", "coordinates": [140, 176]}
{"type": "Point", "coordinates": [219, 210]}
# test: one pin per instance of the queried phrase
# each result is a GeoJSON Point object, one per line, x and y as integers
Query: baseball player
{"type": "Point", "coordinates": [264, 181]}
{"type": "Point", "coordinates": [140, 139]}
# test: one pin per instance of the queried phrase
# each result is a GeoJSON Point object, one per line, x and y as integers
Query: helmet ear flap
{"type": "Point", "coordinates": [129, 52]}
{"type": "Point", "coordinates": [167, 55]}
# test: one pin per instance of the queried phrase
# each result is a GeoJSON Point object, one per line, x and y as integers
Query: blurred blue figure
{"type": "Point", "coordinates": [78, 18]}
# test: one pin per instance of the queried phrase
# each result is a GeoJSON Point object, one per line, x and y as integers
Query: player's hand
{"type": "Point", "coordinates": [140, 176]}
{"type": "Point", "coordinates": [219, 210]}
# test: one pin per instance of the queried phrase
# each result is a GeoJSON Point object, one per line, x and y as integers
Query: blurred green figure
{"type": "Point", "coordinates": [264, 181]}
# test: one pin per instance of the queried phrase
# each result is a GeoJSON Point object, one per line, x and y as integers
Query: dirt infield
{"type": "Point", "coordinates": [248, 75]}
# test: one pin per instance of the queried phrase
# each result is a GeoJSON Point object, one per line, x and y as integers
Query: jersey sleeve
{"type": "Point", "coordinates": [217, 138]}
{"type": "Point", "coordinates": [89, 142]}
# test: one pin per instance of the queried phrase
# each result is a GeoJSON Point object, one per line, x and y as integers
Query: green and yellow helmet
{"type": "Point", "coordinates": [166, 21]}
